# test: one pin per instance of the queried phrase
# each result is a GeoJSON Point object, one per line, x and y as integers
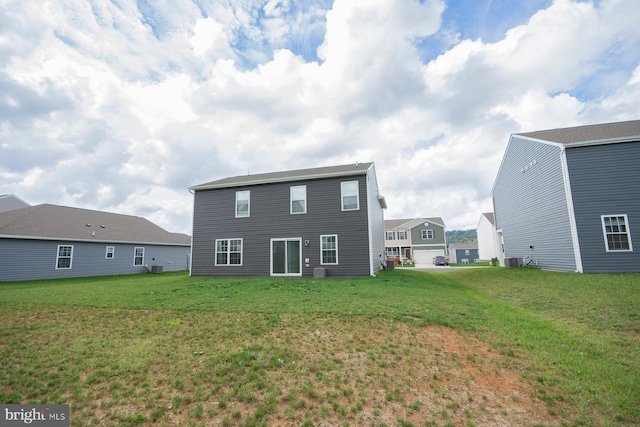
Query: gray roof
{"type": "Point", "coordinates": [66, 223]}
{"type": "Point", "coordinates": [463, 245]}
{"type": "Point", "coordinates": [591, 134]}
{"type": "Point", "coordinates": [410, 222]}
{"type": "Point", "coordinates": [285, 176]}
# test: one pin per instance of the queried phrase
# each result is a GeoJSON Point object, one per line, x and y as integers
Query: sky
{"type": "Point", "coordinates": [122, 105]}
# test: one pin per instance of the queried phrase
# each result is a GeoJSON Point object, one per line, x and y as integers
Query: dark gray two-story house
{"type": "Point", "coordinates": [291, 223]}
{"type": "Point", "coordinates": [569, 199]}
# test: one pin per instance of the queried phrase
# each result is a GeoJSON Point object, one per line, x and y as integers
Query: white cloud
{"type": "Point", "coordinates": [122, 107]}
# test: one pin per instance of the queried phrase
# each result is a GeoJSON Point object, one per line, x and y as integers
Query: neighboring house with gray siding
{"type": "Point", "coordinates": [569, 198]}
{"type": "Point", "coordinates": [48, 241]}
{"type": "Point", "coordinates": [290, 223]}
{"type": "Point", "coordinates": [463, 253]}
{"type": "Point", "coordinates": [416, 239]}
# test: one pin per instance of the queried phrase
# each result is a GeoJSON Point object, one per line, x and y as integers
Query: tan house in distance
{"type": "Point", "coordinates": [416, 240]}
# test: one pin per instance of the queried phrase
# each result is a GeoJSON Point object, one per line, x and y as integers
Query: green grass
{"type": "Point", "coordinates": [170, 349]}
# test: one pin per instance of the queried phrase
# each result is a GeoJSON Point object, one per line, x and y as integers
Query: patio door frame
{"type": "Point", "coordinates": [286, 256]}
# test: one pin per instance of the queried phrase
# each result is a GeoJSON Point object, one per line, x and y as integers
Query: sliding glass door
{"type": "Point", "coordinates": [286, 257]}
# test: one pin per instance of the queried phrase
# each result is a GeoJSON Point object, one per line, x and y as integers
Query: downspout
{"type": "Point", "coordinates": [193, 216]}
{"type": "Point", "coordinates": [572, 216]}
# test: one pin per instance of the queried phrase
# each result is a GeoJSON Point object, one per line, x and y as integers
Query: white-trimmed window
{"type": "Point", "coordinates": [466, 251]}
{"type": "Point", "coordinates": [427, 234]}
{"type": "Point", "coordinates": [390, 235]}
{"type": "Point", "coordinates": [138, 256]}
{"type": "Point", "coordinates": [228, 251]}
{"type": "Point", "coordinates": [402, 235]}
{"type": "Point", "coordinates": [350, 196]}
{"type": "Point", "coordinates": [392, 251]}
{"type": "Point", "coordinates": [298, 199]}
{"type": "Point", "coordinates": [617, 237]}
{"type": "Point", "coordinates": [329, 249]}
{"type": "Point", "coordinates": [243, 203]}
{"type": "Point", "coordinates": [110, 252]}
{"type": "Point", "coordinates": [65, 256]}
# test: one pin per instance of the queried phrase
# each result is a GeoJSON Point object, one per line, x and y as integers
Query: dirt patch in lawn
{"type": "Point", "coordinates": [384, 372]}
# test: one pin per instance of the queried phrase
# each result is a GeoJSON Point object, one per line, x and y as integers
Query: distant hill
{"type": "Point", "coordinates": [461, 236]}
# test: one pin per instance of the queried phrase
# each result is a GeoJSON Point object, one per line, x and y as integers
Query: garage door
{"type": "Point", "coordinates": [426, 257]}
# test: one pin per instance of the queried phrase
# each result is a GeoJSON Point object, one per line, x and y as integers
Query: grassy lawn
{"type": "Point", "coordinates": [471, 347]}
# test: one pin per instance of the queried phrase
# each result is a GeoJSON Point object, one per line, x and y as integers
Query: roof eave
{"type": "Point", "coordinates": [65, 239]}
{"type": "Point", "coordinates": [277, 180]}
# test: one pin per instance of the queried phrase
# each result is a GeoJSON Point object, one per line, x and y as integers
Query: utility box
{"type": "Point", "coordinates": [390, 264]}
{"type": "Point", "coordinates": [156, 269]}
{"type": "Point", "coordinates": [511, 262]}
{"type": "Point", "coordinates": [319, 272]}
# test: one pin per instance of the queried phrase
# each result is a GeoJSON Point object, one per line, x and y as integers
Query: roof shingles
{"type": "Point", "coordinates": [66, 223]}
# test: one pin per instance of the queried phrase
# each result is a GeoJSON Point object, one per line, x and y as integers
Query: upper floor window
{"type": "Point", "coordinates": [110, 252]}
{"type": "Point", "coordinates": [466, 251]}
{"type": "Point", "coordinates": [427, 234]}
{"type": "Point", "coordinates": [390, 235]}
{"type": "Point", "coordinates": [65, 255]}
{"type": "Point", "coordinates": [402, 235]}
{"type": "Point", "coordinates": [617, 236]}
{"type": "Point", "coordinates": [350, 197]}
{"type": "Point", "coordinates": [298, 199]}
{"type": "Point", "coordinates": [242, 203]}
{"type": "Point", "coordinates": [138, 256]}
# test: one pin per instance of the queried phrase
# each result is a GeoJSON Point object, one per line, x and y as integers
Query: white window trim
{"type": "Point", "coordinates": [404, 235]}
{"type": "Point", "coordinates": [389, 233]}
{"type": "Point", "coordinates": [329, 263]}
{"type": "Point", "coordinates": [70, 257]}
{"type": "Point", "coordinates": [228, 263]}
{"type": "Point", "coordinates": [291, 199]}
{"type": "Point", "coordinates": [112, 252]}
{"type": "Point", "coordinates": [424, 234]}
{"type": "Point", "coordinates": [628, 233]}
{"type": "Point", "coordinates": [342, 195]}
{"type": "Point", "coordinates": [134, 256]}
{"type": "Point", "coordinates": [238, 193]}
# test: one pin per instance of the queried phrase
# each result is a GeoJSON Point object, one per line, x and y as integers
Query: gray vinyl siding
{"type": "Point", "coordinates": [376, 223]}
{"type": "Point", "coordinates": [270, 218]}
{"type": "Point", "coordinates": [605, 180]}
{"type": "Point", "coordinates": [32, 259]}
{"type": "Point", "coordinates": [531, 206]}
{"type": "Point", "coordinates": [438, 241]}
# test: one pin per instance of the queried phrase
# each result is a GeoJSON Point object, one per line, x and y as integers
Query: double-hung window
{"type": "Point", "coordinates": [298, 196]}
{"type": "Point", "coordinates": [110, 252]}
{"type": "Point", "coordinates": [243, 203]}
{"type": "Point", "coordinates": [350, 197]}
{"type": "Point", "coordinates": [228, 251]}
{"type": "Point", "coordinates": [390, 235]}
{"type": "Point", "coordinates": [138, 256]}
{"type": "Point", "coordinates": [617, 237]}
{"type": "Point", "coordinates": [329, 249]}
{"type": "Point", "coordinates": [402, 235]}
{"type": "Point", "coordinates": [427, 234]}
{"type": "Point", "coordinates": [65, 256]}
